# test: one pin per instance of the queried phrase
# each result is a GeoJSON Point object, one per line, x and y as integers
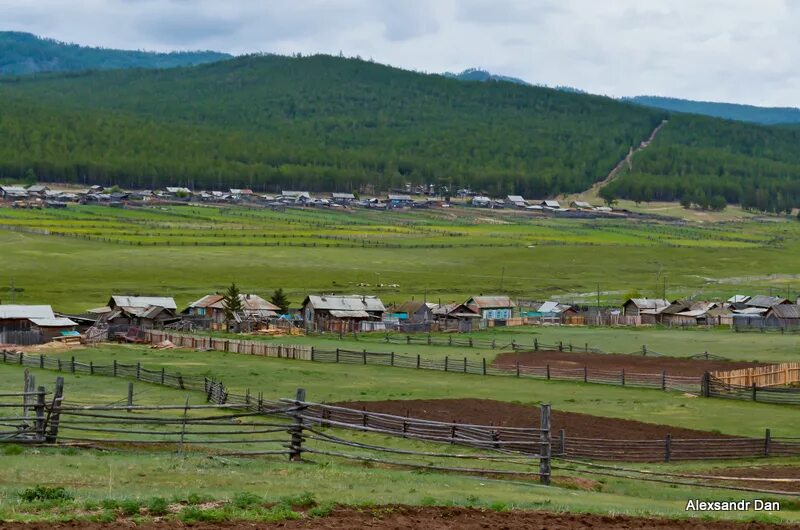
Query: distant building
{"type": "Point", "coordinates": [517, 200]}
{"type": "Point", "coordinates": [550, 204]}
{"type": "Point", "coordinates": [399, 201]}
{"type": "Point", "coordinates": [581, 205]}
{"type": "Point", "coordinates": [145, 312]}
{"type": "Point", "coordinates": [38, 321]}
{"type": "Point", "coordinates": [496, 308]}
{"type": "Point", "coordinates": [344, 199]}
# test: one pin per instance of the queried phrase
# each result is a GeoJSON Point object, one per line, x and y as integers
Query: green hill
{"type": "Point", "coordinates": [728, 111]}
{"type": "Point", "coordinates": [23, 53]}
{"type": "Point", "coordinates": [318, 122]}
{"type": "Point", "coordinates": [329, 123]}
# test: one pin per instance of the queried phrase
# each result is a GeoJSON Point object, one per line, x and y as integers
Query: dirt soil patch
{"type": "Point", "coordinates": [431, 518]}
{"type": "Point", "coordinates": [502, 413]}
{"type": "Point", "coordinates": [792, 472]}
{"type": "Point", "coordinates": [612, 361]}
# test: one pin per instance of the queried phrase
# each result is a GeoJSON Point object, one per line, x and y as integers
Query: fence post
{"type": "Point", "coordinates": [517, 368]}
{"type": "Point", "coordinates": [163, 374]}
{"type": "Point", "coordinates": [663, 380]}
{"type": "Point", "coordinates": [429, 340]}
{"type": "Point", "coordinates": [623, 377]}
{"type": "Point", "coordinates": [560, 346]}
{"type": "Point", "coordinates": [91, 368]}
{"type": "Point", "coordinates": [180, 382]}
{"type": "Point", "coordinates": [754, 391]}
{"type": "Point", "coordinates": [544, 448]}
{"type": "Point", "coordinates": [767, 442]}
{"type": "Point", "coordinates": [41, 360]}
{"type": "Point", "coordinates": [115, 368]}
{"type": "Point", "coordinates": [585, 374]}
{"type": "Point", "coordinates": [668, 448]}
{"type": "Point", "coordinates": [296, 430]}
{"type": "Point", "coordinates": [535, 344]}
{"type": "Point", "coordinates": [417, 361]}
{"type": "Point", "coordinates": [445, 362]}
{"type": "Point", "coordinates": [364, 356]}
{"type": "Point", "coordinates": [644, 349]}
{"type": "Point", "coordinates": [130, 396]}
{"type": "Point", "coordinates": [705, 384]}
{"type": "Point", "coordinates": [484, 366]}
{"type": "Point", "coordinates": [138, 370]}
{"type": "Point", "coordinates": [586, 347]}
{"type": "Point", "coordinates": [548, 371]}
{"type": "Point", "coordinates": [55, 411]}
{"type": "Point", "coordinates": [408, 339]}
{"type": "Point", "coordinates": [312, 354]}
{"type": "Point", "coordinates": [72, 365]}
{"type": "Point", "coordinates": [337, 355]}
{"type": "Point", "coordinates": [21, 355]}
{"type": "Point", "coordinates": [563, 437]}
{"type": "Point", "coordinates": [391, 359]}
{"type": "Point", "coordinates": [39, 408]}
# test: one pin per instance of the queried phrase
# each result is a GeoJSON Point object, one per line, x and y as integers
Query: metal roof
{"type": "Point", "coordinates": [55, 322]}
{"type": "Point", "coordinates": [751, 311]}
{"type": "Point", "coordinates": [144, 301]}
{"type": "Point", "coordinates": [343, 196]}
{"type": "Point", "coordinates": [550, 203]}
{"type": "Point", "coordinates": [400, 197]}
{"type": "Point", "coordinates": [515, 198]}
{"type": "Point", "coordinates": [649, 303]}
{"type": "Point", "coordinates": [346, 303]}
{"type": "Point", "coordinates": [738, 298]}
{"type": "Point", "coordinates": [484, 302]}
{"type": "Point", "coordinates": [20, 312]}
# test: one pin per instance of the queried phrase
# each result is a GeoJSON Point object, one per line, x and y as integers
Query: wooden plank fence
{"type": "Point", "coordinates": [246, 347]}
{"type": "Point", "coordinates": [782, 374]}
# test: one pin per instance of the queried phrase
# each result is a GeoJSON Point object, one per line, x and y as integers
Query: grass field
{"type": "Point", "coordinates": [98, 479]}
{"type": "Point", "coordinates": [75, 258]}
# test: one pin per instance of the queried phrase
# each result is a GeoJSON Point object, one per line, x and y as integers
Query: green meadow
{"type": "Point", "coordinates": [75, 258]}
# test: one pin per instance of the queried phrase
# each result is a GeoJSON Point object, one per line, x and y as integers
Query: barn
{"type": "Point", "coordinates": [342, 314]}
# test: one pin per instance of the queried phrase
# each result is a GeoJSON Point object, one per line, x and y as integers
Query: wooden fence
{"type": "Point", "coordinates": [762, 376]}
{"type": "Point", "coordinates": [247, 347]}
{"type": "Point", "coordinates": [513, 440]}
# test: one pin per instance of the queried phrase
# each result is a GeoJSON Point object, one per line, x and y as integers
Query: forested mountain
{"type": "Point", "coordinates": [728, 111]}
{"type": "Point", "coordinates": [709, 162]}
{"type": "Point", "coordinates": [329, 123]}
{"type": "Point", "coordinates": [320, 122]}
{"type": "Point", "coordinates": [23, 53]}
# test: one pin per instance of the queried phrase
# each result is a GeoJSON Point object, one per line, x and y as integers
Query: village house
{"type": "Point", "coordinates": [494, 310]}
{"type": "Point", "coordinates": [480, 201]}
{"type": "Point", "coordinates": [294, 197]}
{"type": "Point", "coordinates": [343, 199]}
{"type": "Point", "coordinates": [212, 307]}
{"type": "Point", "coordinates": [644, 310]}
{"type": "Point", "coordinates": [784, 316]}
{"type": "Point", "coordinates": [32, 324]}
{"type": "Point", "coordinates": [37, 191]}
{"type": "Point", "coordinates": [689, 313]}
{"type": "Point", "coordinates": [581, 205]}
{"type": "Point", "coordinates": [550, 204]}
{"type": "Point", "coordinates": [143, 312]}
{"type": "Point", "coordinates": [399, 201]}
{"type": "Point", "coordinates": [414, 311]}
{"type": "Point", "coordinates": [517, 201]}
{"type": "Point", "coordinates": [551, 313]}
{"type": "Point", "coordinates": [13, 193]}
{"type": "Point", "coordinates": [455, 317]}
{"type": "Point", "coordinates": [766, 302]}
{"type": "Point", "coordinates": [338, 313]}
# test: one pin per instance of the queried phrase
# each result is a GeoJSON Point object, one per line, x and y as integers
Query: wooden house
{"type": "Point", "coordinates": [456, 317]}
{"type": "Point", "coordinates": [415, 311]}
{"type": "Point", "coordinates": [517, 201]}
{"type": "Point", "coordinates": [32, 324]}
{"type": "Point", "coordinates": [212, 308]}
{"type": "Point", "coordinates": [495, 310]}
{"type": "Point", "coordinates": [339, 313]}
{"type": "Point", "coordinates": [766, 302]}
{"type": "Point", "coordinates": [144, 312]}
{"type": "Point", "coordinates": [343, 199]}
{"type": "Point", "coordinates": [645, 310]}
{"type": "Point", "coordinates": [785, 316]}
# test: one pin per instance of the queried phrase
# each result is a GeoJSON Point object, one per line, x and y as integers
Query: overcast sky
{"type": "Point", "coordinates": [745, 51]}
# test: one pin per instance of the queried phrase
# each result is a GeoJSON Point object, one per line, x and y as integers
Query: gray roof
{"type": "Point", "coordinates": [649, 303]}
{"type": "Point", "coordinates": [13, 189]}
{"type": "Point", "coordinates": [144, 301]}
{"type": "Point", "coordinates": [343, 196]}
{"type": "Point", "coordinates": [490, 301]}
{"type": "Point", "coordinates": [786, 311]}
{"type": "Point", "coordinates": [400, 197]}
{"type": "Point", "coordinates": [21, 312]}
{"type": "Point", "coordinates": [515, 198]}
{"type": "Point", "coordinates": [346, 303]}
{"type": "Point", "coordinates": [766, 301]}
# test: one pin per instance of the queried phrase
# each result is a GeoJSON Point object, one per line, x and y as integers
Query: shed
{"type": "Point", "coordinates": [785, 316]}
{"type": "Point", "coordinates": [31, 324]}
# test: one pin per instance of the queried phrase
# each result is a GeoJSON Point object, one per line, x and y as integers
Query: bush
{"type": "Point", "coordinates": [45, 493]}
{"type": "Point", "coordinates": [246, 500]}
{"type": "Point", "coordinates": [323, 510]}
{"type": "Point", "coordinates": [130, 507]}
{"type": "Point", "coordinates": [157, 506]}
{"type": "Point", "coordinates": [304, 500]}
{"type": "Point", "coordinates": [193, 514]}
{"type": "Point", "coordinates": [13, 449]}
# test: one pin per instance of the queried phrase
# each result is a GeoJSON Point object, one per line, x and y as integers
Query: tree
{"type": "Point", "coordinates": [686, 201]}
{"type": "Point", "coordinates": [279, 299]}
{"type": "Point", "coordinates": [232, 302]}
{"type": "Point", "coordinates": [718, 203]}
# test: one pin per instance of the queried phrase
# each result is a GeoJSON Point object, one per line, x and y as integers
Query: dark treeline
{"type": "Point", "coordinates": [710, 162]}
{"type": "Point", "coordinates": [23, 53]}
{"type": "Point", "coordinates": [321, 123]}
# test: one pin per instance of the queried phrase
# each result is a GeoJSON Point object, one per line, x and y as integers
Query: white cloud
{"type": "Point", "coordinates": [726, 50]}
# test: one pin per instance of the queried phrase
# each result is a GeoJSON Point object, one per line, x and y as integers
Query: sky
{"type": "Point", "coordinates": [741, 51]}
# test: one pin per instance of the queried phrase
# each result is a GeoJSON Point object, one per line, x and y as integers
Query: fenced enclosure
{"type": "Point", "coordinates": [21, 337]}
{"type": "Point", "coordinates": [782, 374]}
{"type": "Point", "coordinates": [716, 388]}
{"type": "Point", "coordinates": [497, 438]}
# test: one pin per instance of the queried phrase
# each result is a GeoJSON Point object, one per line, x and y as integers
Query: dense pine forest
{"type": "Point", "coordinates": [728, 111]}
{"type": "Point", "coordinates": [331, 123]}
{"type": "Point", "coordinates": [318, 122]}
{"type": "Point", "coordinates": [23, 53]}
